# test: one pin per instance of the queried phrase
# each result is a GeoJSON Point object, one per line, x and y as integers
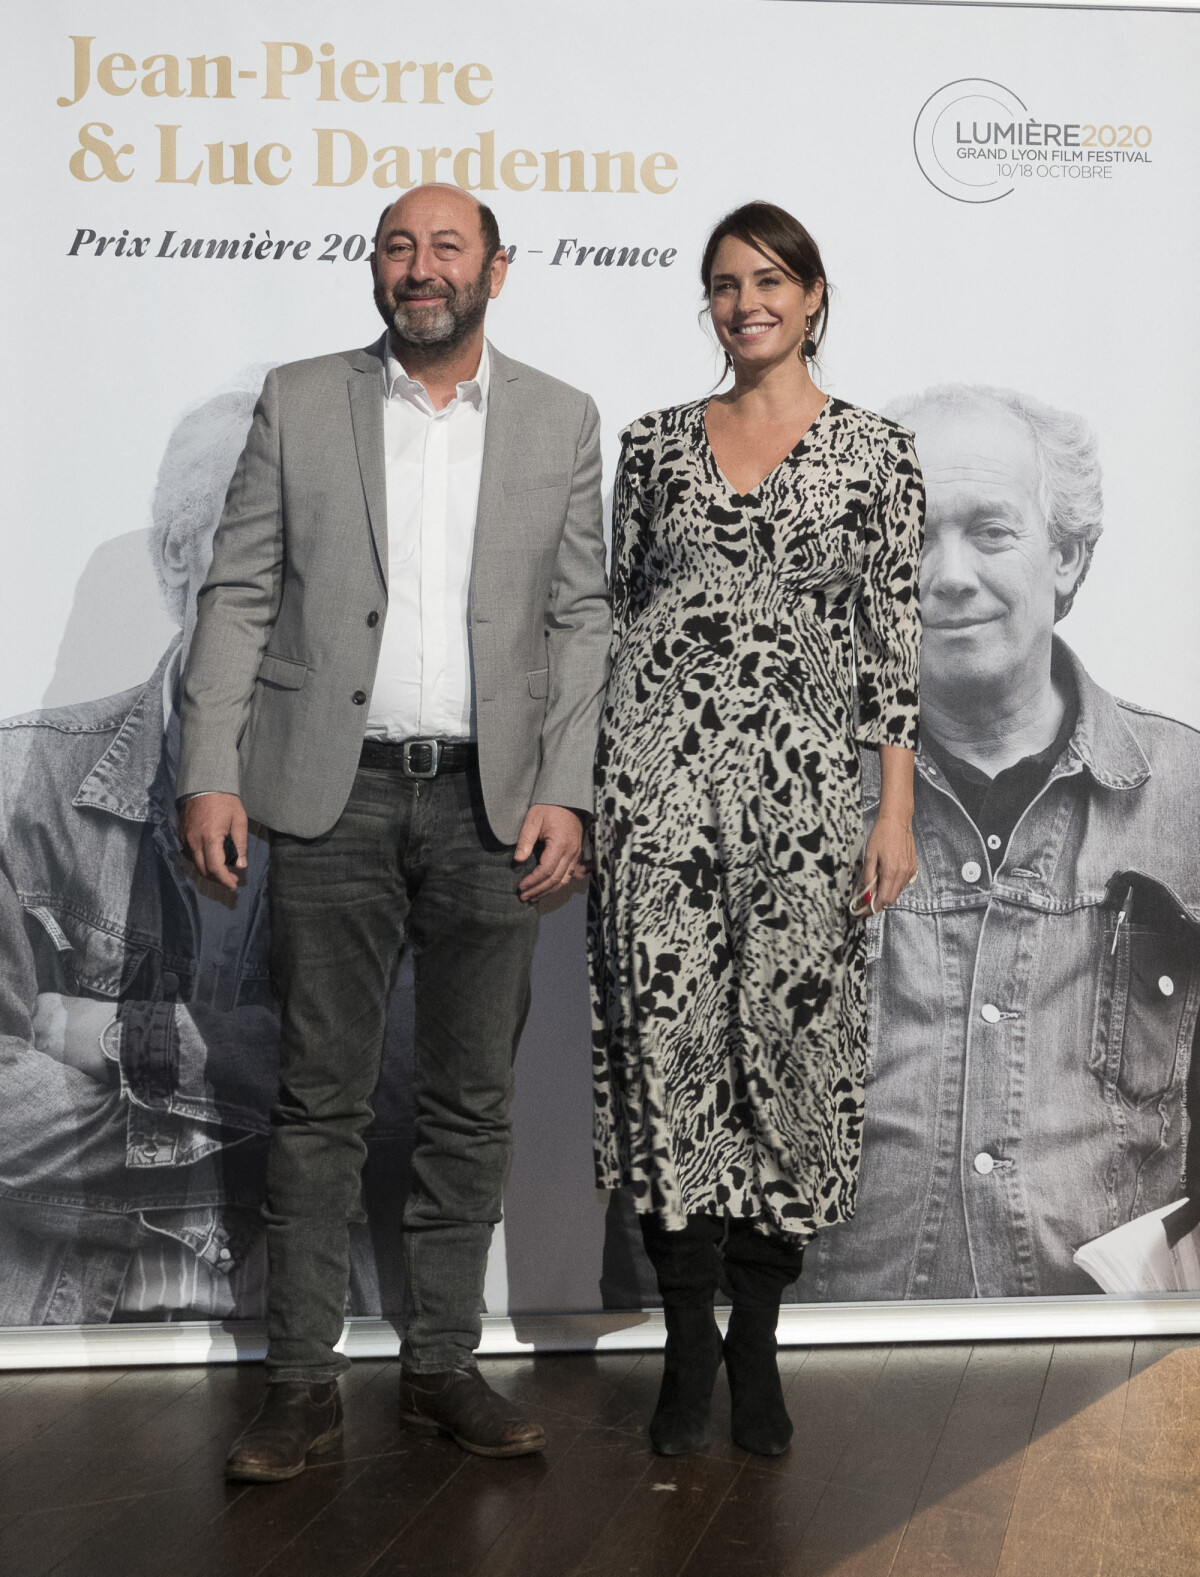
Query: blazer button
{"type": "Point", "coordinates": [372, 619]}
{"type": "Point", "coordinates": [359, 697]}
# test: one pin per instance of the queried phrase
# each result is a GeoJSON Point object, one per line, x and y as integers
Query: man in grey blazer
{"type": "Point", "coordinates": [398, 668]}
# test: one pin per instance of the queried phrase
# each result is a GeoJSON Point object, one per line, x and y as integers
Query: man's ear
{"type": "Point", "coordinates": [1070, 561]}
{"type": "Point", "coordinates": [499, 273]}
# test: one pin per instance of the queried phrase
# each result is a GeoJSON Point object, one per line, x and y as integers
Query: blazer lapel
{"type": "Point", "coordinates": [365, 385]}
{"type": "Point", "coordinates": [503, 419]}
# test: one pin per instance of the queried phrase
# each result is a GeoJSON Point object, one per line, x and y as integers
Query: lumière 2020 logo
{"type": "Point", "coordinates": [976, 141]}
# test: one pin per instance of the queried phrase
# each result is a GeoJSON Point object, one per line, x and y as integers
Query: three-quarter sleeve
{"type": "Point", "coordinates": [632, 513]}
{"type": "Point", "coordinates": [888, 616]}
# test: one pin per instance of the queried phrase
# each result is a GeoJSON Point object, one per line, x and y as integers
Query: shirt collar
{"type": "Point", "coordinates": [1103, 740]}
{"type": "Point", "coordinates": [123, 779]}
{"type": "Point", "coordinates": [472, 392]}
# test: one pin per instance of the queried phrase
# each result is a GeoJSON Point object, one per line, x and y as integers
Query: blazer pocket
{"type": "Point", "coordinates": [282, 671]}
{"type": "Point", "coordinates": [539, 683]}
{"type": "Point", "coordinates": [534, 484]}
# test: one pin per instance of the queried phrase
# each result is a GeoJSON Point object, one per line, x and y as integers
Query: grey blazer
{"type": "Point", "coordinates": [291, 614]}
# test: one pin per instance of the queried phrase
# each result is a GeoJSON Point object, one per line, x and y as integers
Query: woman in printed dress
{"type": "Point", "coordinates": [766, 546]}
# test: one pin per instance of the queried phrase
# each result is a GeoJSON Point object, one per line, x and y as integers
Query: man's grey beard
{"type": "Point", "coordinates": [428, 326]}
{"type": "Point", "coordinates": [454, 320]}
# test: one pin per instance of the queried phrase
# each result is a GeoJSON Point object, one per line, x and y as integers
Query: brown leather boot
{"type": "Point", "coordinates": [460, 1403]}
{"type": "Point", "coordinates": [296, 1421]}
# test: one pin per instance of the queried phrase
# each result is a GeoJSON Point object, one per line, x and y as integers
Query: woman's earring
{"type": "Point", "coordinates": [809, 348]}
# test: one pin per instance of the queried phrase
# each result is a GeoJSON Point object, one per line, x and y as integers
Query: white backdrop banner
{"type": "Point", "coordinates": [1006, 200]}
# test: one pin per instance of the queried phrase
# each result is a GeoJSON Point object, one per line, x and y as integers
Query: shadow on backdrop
{"type": "Point", "coordinates": [554, 1222]}
{"type": "Point", "coordinates": [117, 628]}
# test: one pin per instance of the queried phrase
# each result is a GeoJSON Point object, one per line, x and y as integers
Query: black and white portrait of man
{"type": "Point", "coordinates": [1033, 995]}
{"type": "Point", "coordinates": [138, 1034]}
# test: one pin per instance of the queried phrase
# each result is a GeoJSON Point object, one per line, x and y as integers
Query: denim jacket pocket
{"type": "Point", "coordinates": [81, 959]}
{"type": "Point", "coordinates": [1149, 997]}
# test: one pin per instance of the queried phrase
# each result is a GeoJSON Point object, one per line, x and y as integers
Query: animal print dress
{"type": "Point", "coordinates": [727, 976]}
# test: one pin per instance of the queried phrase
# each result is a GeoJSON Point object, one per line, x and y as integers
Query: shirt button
{"type": "Point", "coordinates": [359, 698]}
{"type": "Point", "coordinates": [984, 1164]}
{"type": "Point", "coordinates": [993, 842]}
{"type": "Point", "coordinates": [972, 871]}
{"type": "Point", "coordinates": [372, 619]}
{"type": "Point", "coordinates": [990, 1013]}
{"type": "Point", "coordinates": [1166, 985]}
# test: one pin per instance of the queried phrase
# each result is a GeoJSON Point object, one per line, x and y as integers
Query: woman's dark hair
{"type": "Point", "coordinates": [780, 238]}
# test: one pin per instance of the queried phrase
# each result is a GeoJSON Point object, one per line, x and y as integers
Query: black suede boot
{"type": "Point", "coordinates": [688, 1270]}
{"type": "Point", "coordinates": [760, 1421]}
{"type": "Point", "coordinates": [691, 1359]}
{"type": "Point", "coordinates": [758, 1267]}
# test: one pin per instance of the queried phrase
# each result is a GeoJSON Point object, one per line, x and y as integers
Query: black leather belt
{"type": "Point", "coordinates": [419, 758]}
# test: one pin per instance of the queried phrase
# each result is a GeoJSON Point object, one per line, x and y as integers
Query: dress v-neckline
{"type": "Point", "coordinates": [763, 480]}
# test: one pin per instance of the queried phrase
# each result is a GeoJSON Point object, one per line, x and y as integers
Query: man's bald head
{"type": "Point", "coordinates": [489, 230]}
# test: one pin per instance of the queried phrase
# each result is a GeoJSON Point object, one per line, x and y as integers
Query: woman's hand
{"type": "Point", "coordinates": [890, 859]}
{"type": "Point", "coordinates": [889, 863]}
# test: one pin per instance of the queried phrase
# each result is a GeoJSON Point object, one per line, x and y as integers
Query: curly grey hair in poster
{"type": "Point", "coordinates": [189, 491]}
{"type": "Point", "coordinates": [1069, 478]}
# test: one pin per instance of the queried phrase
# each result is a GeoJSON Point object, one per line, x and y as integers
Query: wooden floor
{"type": "Point", "coordinates": [1073, 1459]}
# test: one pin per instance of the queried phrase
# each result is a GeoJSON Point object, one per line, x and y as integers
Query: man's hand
{"type": "Point", "coordinates": [559, 833]}
{"type": "Point", "coordinates": [69, 1030]}
{"type": "Point", "coordinates": [206, 823]}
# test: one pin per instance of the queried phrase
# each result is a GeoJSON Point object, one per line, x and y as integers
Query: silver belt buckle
{"type": "Point", "coordinates": [423, 770]}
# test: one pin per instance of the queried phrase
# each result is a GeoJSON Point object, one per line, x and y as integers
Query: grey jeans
{"type": "Point", "coordinates": [407, 861]}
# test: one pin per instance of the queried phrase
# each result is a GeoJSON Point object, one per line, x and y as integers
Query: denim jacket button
{"type": "Point", "coordinates": [984, 1164]}
{"type": "Point", "coordinates": [990, 1013]}
{"type": "Point", "coordinates": [1166, 985]}
{"type": "Point", "coordinates": [972, 871]}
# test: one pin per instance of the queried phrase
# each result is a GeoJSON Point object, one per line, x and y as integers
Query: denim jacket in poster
{"type": "Point", "coordinates": [94, 902]}
{"type": "Point", "coordinates": [1031, 1025]}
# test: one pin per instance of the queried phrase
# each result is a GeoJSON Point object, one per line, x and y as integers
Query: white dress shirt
{"type": "Point", "coordinates": [433, 464]}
